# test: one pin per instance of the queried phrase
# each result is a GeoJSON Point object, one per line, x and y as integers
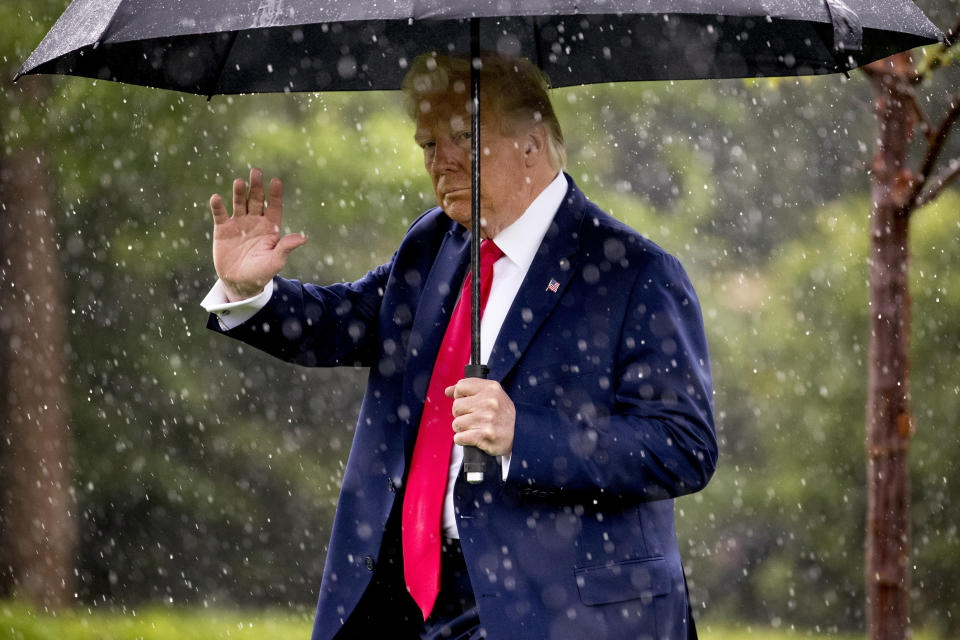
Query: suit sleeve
{"type": "Point", "coordinates": [315, 325]}
{"type": "Point", "coordinates": [657, 440]}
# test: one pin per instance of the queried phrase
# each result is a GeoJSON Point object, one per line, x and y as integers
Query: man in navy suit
{"type": "Point", "coordinates": [597, 411]}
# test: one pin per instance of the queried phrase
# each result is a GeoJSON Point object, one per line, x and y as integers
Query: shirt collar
{"type": "Point", "coordinates": [522, 238]}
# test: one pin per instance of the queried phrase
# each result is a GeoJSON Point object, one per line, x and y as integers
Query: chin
{"type": "Point", "coordinates": [459, 212]}
{"type": "Point", "coordinates": [464, 221]}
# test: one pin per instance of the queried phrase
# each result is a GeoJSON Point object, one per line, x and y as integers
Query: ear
{"type": "Point", "coordinates": [535, 145]}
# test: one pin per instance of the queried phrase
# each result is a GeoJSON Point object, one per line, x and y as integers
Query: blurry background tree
{"type": "Point", "coordinates": [37, 506]}
{"type": "Point", "coordinates": [897, 193]}
{"type": "Point", "coordinates": [206, 473]}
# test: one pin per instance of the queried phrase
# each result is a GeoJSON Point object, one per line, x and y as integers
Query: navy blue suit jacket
{"type": "Point", "coordinates": [610, 376]}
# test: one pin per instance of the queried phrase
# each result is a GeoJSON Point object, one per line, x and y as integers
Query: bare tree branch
{"type": "Point", "coordinates": [953, 34]}
{"type": "Point", "coordinates": [941, 182]}
{"type": "Point", "coordinates": [939, 56]}
{"type": "Point", "coordinates": [926, 127]}
{"type": "Point", "coordinates": [937, 140]}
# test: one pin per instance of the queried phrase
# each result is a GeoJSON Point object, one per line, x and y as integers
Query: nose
{"type": "Point", "coordinates": [448, 156]}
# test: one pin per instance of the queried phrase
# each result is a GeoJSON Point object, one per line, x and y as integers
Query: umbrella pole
{"type": "Point", "coordinates": [473, 458]}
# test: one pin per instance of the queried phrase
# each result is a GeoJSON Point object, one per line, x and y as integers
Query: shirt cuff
{"type": "Point", "coordinates": [233, 314]}
{"type": "Point", "coordinates": [505, 465]}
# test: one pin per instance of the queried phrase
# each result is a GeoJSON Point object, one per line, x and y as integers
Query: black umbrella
{"type": "Point", "coordinates": [251, 46]}
{"type": "Point", "coordinates": [256, 46]}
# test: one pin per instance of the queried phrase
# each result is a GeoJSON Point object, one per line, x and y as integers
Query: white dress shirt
{"type": "Point", "coordinates": [519, 243]}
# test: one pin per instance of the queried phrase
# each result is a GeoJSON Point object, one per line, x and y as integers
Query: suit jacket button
{"type": "Point", "coordinates": [368, 561]}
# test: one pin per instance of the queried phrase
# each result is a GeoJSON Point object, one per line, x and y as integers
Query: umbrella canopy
{"type": "Point", "coordinates": [254, 46]}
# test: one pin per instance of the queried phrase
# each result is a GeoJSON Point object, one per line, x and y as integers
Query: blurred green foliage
{"type": "Point", "coordinates": [208, 474]}
{"type": "Point", "coordinates": [789, 346]}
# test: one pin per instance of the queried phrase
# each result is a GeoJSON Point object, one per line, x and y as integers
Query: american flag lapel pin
{"type": "Point", "coordinates": [553, 285]}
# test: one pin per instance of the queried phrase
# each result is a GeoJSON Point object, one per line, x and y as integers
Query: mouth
{"type": "Point", "coordinates": [454, 192]}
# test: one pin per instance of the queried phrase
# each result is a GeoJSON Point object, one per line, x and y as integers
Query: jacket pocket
{"type": "Point", "coordinates": [642, 578]}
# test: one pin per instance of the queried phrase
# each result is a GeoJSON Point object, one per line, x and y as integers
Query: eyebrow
{"type": "Point", "coordinates": [421, 136]}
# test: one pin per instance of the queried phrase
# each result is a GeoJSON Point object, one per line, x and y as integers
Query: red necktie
{"type": "Point", "coordinates": [427, 480]}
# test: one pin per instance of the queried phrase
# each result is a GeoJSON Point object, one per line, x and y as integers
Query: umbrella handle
{"type": "Point", "coordinates": [474, 460]}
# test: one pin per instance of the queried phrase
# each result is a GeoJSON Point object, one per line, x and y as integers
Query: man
{"type": "Point", "coordinates": [596, 413]}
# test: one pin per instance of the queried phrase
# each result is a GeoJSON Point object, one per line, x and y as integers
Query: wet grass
{"type": "Point", "coordinates": [744, 631]}
{"type": "Point", "coordinates": [155, 623]}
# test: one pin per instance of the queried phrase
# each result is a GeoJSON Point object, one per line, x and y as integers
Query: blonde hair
{"type": "Point", "coordinates": [515, 88]}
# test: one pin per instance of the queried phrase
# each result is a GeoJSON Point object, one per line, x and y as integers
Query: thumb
{"type": "Point", "coordinates": [287, 244]}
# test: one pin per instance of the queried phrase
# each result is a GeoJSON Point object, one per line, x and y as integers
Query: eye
{"type": "Point", "coordinates": [466, 135]}
{"type": "Point", "coordinates": [427, 145]}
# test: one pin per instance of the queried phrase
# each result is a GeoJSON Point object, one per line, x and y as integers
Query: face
{"type": "Point", "coordinates": [443, 132]}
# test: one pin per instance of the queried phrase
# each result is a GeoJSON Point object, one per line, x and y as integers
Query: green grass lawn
{"type": "Point", "coordinates": [155, 623]}
{"type": "Point", "coordinates": [746, 631]}
{"type": "Point", "coordinates": [18, 622]}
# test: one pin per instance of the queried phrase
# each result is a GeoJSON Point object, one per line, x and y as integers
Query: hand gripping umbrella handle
{"type": "Point", "coordinates": [474, 460]}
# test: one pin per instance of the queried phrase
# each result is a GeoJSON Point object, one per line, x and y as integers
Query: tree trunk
{"type": "Point", "coordinates": [37, 528]}
{"type": "Point", "coordinates": [889, 424]}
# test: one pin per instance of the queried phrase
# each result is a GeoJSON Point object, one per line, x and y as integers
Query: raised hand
{"type": "Point", "coordinates": [248, 250]}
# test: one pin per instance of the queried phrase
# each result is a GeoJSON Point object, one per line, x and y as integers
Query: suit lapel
{"type": "Point", "coordinates": [436, 303]}
{"type": "Point", "coordinates": [535, 300]}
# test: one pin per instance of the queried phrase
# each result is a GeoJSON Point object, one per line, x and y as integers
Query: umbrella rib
{"type": "Point", "coordinates": [106, 28]}
{"type": "Point", "coordinates": [223, 65]}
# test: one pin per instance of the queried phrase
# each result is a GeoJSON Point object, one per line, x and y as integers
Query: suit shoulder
{"type": "Point", "coordinates": [429, 228]}
{"type": "Point", "coordinates": [616, 241]}
{"type": "Point", "coordinates": [432, 220]}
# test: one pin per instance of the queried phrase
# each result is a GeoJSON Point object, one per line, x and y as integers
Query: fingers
{"type": "Point", "coordinates": [275, 202]}
{"type": "Point", "coordinates": [287, 244]}
{"type": "Point", "coordinates": [239, 197]}
{"type": "Point", "coordinates": [467, 387]}
{"type": "Point", "coordinates": [472, 431]}
{"type": "Point", "coordinates": [469, 397]}
{"type": "Point", "coordinates": [471, 438]}
{"type": "Point", "coordinates": [475, 404]}
{"type": "Point", "coordinates": [218, 209]}
{"type": "Point", "coordinates": [483, 415]}
{"type": "Point", "coordinates": [483, 432]}
{"type": "Point", "coordinates": [255, 201]}
{"type": "Point", "coordinates": [477, 422]}
{"type": "Point", "coordinates": [253, 204]}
